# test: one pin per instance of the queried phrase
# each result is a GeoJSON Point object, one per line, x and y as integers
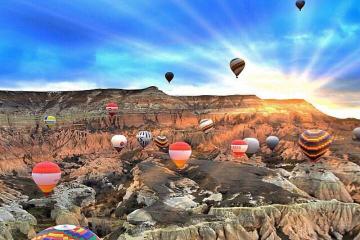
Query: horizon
{"type": "Point", "coordinates": [200, 95]}
{"type": "Point", "coordinates": [310, 54]}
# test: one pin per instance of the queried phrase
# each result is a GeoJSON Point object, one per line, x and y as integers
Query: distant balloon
{"type": "Point", "coordinates": [162, 143]}
{"type": "Point", "coordinates": [314, 143]}
{"type": "Point", "coordinates": [180, 153]}
{"type": "Point", "coordinates": [50, 121]}
{"type": "Point", "coordinates": [112, 108]}
{"type": "Point", "coordinates": [46, 175]}
{"type": "Point", "coordinates": [169, 76]}
{"type": "Point", "coordinates": [144, 138]}
{"type": "Point", "coordinates": [239, 147]}
{"type": "Point", "coordinates": [206, 125]}
{"type": "Point", "coordinates": [118, 142]}
{"type": "Point", "coordinates": [237, 65]}
{"type": "Point", "coordinates": [253, 146]}
{"type": "Point", "coordinates": [300, 4]}
{"type": "Point", "coordinates": [272, 142]}
{"type": "Point", "coordinates": [356, 134]}
{"type": "Point", "coordinates": [66, 232]}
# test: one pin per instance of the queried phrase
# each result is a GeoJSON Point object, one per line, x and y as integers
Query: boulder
{"type": "Point", "coordinates": [318, 182]}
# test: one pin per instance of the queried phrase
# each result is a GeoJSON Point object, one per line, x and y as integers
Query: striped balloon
{"type": "Point", "coordinates": [180, 153]}
{"type": "Point", "coordinates": [144, 138]}
{"type": "Point", "coordinates": [68, 232]}
{"type": "Point", "coordinates": [112, 108]}
{"type": "Point", "coordinates": [46, 175]}
{"type": "Point", "coordinates": [50, 121]}
{"type": "Point", "coordinates": [162, 143]}
{"type": "Point", "coordinates": [314, 143]}
{"type": "Point", "coordinates": [237, 65]}
{"type": "Point", "coordinates": [206, 125]}
{"type": "Point", "coordinates": [238, 148]}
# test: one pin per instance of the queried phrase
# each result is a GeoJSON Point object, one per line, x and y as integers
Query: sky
{"type": "Point", "coordinates": [312, 54]}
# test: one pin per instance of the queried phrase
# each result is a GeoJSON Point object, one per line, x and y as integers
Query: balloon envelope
{"type": "Point", "coordinates": [272, 142]}
{"type": "Point", "coordinates": [253, 146]}
{"type": "Point", "coordinates": [144, 138]}
{"type": "Point", "coordinates": [162, 143]}
{"type": "Point", "coordinates": [180, 153]}
{"type": "Point", "coordinates": [300, 4]}
{"type": "Point", "coordinates": [356, 133]}
{"type": "Point", "coordinates": [46, 175]}
{"type": "Point", "coordinates": [112, 108]}
{"type": "Point", "coordinates": [118, 142]}
{"type": "Point", "coordinates": [66, 232]}
{"type": "Point", "coordinates": [314, 143]}
{"type": "Point", "coordinates": [50, 121]}
{"type": "Point", "coordinates": [237, 65]}
{"type": "Point", "coordinates": [169, 76]}
{"type": "Point", "coordinates": [206, 125]}
{"type": "Point", "coordinates": [238, 148]}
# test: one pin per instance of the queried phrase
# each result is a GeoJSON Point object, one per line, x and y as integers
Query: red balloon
{"type": "Point", "coordinates": [239, 147]}
{"type": "Point", "coordinates": [112, 108]}
{"type": "Point", "coordinates": [46, 175]}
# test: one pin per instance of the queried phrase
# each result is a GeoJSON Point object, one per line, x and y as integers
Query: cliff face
{"type": "Point", "coordinates": [320, 220]}
{"type": "Point", "coordinates": [84, 128]}
{"type": "Point", "coordinates": [140, 195]}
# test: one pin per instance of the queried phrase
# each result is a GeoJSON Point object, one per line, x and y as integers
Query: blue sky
{"type": "Point", "coordinates": [72, 45]}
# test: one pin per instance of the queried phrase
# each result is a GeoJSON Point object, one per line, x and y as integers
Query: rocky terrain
{"type": "Point", "coordinates": [139, 194]}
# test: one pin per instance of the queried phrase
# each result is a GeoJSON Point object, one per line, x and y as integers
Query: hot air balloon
{"type": "Point", "coordinates": [118, 142]}
{"type": "Point", "coordinates": [238, 148]}
{"type": "Point", "coordinates": [237, 65]}
{"type": "Point", "coordinates": [206, 125]}
{"type": "Point", "coordinates": [144, 138]}
{"type": "Point", "coordinates": [272, 142]}
{"type": "Point", "coordinates": [69, 232]}
{"type": "Point", "coordinates": [162, 143]}
{"type": "Point", "coordinates": [300, 4]}
{"type": "Point", "coordinates": [180, 153]}
{"type": "Point", "coordinates": [46, 175]}
{"type": "Point", "coordinates": [314, 143]}
{"type": "Point", "coordinates": [169, 76]}
{"type": "Point", "coordinates": [356, 134]}
{"type": "Point", "coordinates": [112, 108]}
{"type": "Point", "coordinates": [50, 121]}
{"type": "Point", "coordinates": [253, 146]}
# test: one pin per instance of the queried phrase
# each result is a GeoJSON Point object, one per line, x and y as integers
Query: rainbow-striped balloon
{"type": "Point", "coordinates": [68, 232]}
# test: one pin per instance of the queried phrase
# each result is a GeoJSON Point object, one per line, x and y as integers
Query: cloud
{"type": "Point", "coordinates": [43, 86]}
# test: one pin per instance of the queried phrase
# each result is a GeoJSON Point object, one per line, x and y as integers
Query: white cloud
{"type": "Point", "coordinates": [43, 86]}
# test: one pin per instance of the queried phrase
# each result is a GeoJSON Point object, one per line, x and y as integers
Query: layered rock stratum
{"type": "Point", "coordinates": [139, 193]}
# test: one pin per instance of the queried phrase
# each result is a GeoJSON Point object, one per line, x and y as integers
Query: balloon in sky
{"type": "Point", "coordinates": [112, 108]}
{"type": "Point", "coordinates": [180, 153]}
{"type": "Point", "coordinates": [239, 147]}
{"type": "Point", "coordinates": [46, 175]}
{"type": "Point", "coordinates": [272, 142]}
{"type": "Point", "coordinates": [162, 143]}
{"type": "Point", "coordinates": [118, 142]}
{"type": "Point", "coordinates": [69, 232]}
{"type": "Point", "coordinates": [169, 76]}
{"type": "Point", "coordinates": [356, 134]}
{"type": "Point", "coordinates": [144, 138]}
{"type": "Point", "coordinates": [300, 4]}
{"type": "Point", "coordinates": [206, 125]}
{"type": "Point", "coordinates": [237, 65]}
{"type": "Point", "coordinates": [253, 146]}
{"type": "Point", "coordinates": [314, 143]}
{"type": "Point", "coordinates": [50, 121]}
